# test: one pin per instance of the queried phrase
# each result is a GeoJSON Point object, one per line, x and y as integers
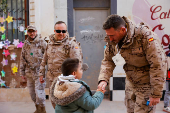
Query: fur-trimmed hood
{"type": "Point", "coordinates": [66, 89]}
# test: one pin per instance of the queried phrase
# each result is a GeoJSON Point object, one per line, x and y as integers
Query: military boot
{"type": "Point", "coordinates": [37, 107]}
{"type": "Point", "coordinates": [41, 109]}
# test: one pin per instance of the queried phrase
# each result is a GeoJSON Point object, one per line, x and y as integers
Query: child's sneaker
{"type": "Point", "coordinates": [167, 109]}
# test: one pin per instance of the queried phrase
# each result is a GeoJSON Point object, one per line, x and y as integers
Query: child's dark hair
{"type": "Point", "coordinates": [69, 66]}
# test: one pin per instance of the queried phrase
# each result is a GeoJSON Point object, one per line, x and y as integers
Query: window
{"type": "Point", "coordinates": [19, 10]}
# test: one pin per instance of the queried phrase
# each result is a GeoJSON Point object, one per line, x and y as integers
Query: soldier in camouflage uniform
{"type": "Point", "coordinates": [143, 58]}
{"type": "Point", "coordinates": [31, 57]}
{"type": "Point", "coordinates": [59, 48]}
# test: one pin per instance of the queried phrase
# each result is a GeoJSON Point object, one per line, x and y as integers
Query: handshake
{"type": "Point", "coordinates": [101, 86]}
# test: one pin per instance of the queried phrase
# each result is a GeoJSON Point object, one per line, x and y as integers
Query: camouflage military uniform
{"type": "Point", "coordinates": [56, 52]}
{"type": "Point", "coordinates": [31, 57]}
{"type": "Point", "coordinates": [145, 65]}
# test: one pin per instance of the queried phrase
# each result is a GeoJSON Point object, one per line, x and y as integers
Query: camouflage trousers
{"type": "Point", "coordinates": [36, 90]}
{"type": "Point", "coordinates": [136, 98]}
{"type": "Point", "coordinates": [167, 94]}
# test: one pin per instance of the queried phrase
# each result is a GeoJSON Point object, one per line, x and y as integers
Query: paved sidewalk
{"type": "Point", "coordinates": [105, 107]}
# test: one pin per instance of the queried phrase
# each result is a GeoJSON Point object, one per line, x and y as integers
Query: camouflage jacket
{"type": "Point", "coordinates": [56, 52]}
{"type": "Point", "coordinates": [31, 56]}
{"type": "Point", "coordinates": [144, 56]}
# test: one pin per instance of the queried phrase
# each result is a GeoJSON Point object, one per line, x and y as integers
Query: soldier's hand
{"type": "Point", "coordinates": [154, 101]}
{"type": "Point", "coordinates": [41, 79]}
{"type": "Point", "coordinates": [102, 85]}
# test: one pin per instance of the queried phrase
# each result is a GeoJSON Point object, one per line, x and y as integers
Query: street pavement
{"type": "Point", "coordinates": [106, 106]}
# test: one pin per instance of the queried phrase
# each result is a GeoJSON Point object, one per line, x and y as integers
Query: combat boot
{"type": "Point", "coordinates": [41, 109]}
{"type": "Point", "coordinates": [37, 107]}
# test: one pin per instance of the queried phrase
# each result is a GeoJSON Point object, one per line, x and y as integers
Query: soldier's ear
{"type": "Point", "coordinates": [123, 29]}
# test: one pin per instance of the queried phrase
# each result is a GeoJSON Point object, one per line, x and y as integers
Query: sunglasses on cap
{"type": "Point", "coordinates": [59, 31]}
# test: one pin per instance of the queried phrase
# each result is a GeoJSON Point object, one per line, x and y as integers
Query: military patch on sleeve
{"type": "Point", "coordinates": [76, 47]}
{"type": "Point", "coordinates": [151, 39]}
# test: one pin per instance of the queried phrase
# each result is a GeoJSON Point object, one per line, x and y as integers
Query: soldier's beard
{"type": "Point", "coordinates": [31, 39]}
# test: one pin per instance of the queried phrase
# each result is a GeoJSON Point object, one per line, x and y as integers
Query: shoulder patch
{"type": "Point", "coordinates": [151, 39]}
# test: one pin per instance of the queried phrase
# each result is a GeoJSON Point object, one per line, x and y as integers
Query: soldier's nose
{"type": "Point", "coordinates": [111, 39]}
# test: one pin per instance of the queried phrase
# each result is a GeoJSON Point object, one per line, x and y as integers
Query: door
{"type": "Point", "coordinates": [88, 31]}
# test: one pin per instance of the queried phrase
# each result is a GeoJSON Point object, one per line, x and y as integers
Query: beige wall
{"type": "Point", "coordinates": [42, 16]}
{"type": "Point", "coordinates": [45, 13]}
{"type": "Point", "coordinates": [60, 10]}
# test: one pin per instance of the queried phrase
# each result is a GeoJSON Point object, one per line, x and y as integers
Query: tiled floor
{"type": "Point", "coordinates": [105, 107]}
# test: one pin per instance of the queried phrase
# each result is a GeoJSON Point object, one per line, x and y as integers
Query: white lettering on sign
{"type": "Point", "coordinates": [86, 19]}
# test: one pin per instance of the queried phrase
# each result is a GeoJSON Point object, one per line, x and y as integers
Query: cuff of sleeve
{"type": "Point", "coordinates": [100, 93]}
{"type": "Point", "coordinates": [103, 80]}
{"type": "Point", "coordinates": [156, 94]}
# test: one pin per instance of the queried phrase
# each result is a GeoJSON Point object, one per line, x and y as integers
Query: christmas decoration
{"type": "Point", "coordinates": [3, 37]}
{"type": "Point", "coordinates": [2, 82]}
{"type": "Point", "coordinates": [9, 19]}
{"type": "Point", "coordinates": [20, 45]}
{"type": "Point", "coordinates": [15, 69]}
{"type": "Point", "coordinates": [21, 28]}
{"type": "Point", "coordinates": [6, 43]}
{"type": "Point", "coordinates": [2, 20]}
{"type": "Point", "coordinates": [16, 42]}
{"type": "Point", "coordinates": [13, 56]}
{"type": "Point", "coordinates": [25, 31]}
{"type": "Point", "coordinates": [6, 52]}
{"type": "Point", "coordinates": [4, 62]}
{"type": "Point", "coordinates": [1, 45]}
{"type": "Point", "coordinates": [2, 29]}
{"type": "Point", "coordinates": [3, 73]}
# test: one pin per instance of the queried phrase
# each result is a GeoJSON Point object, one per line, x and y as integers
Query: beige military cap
{"type": "Point", "coordinates": [31, 27]}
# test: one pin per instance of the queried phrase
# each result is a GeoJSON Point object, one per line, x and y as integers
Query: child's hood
{"type": "Point", "coordinates": [66, 89]}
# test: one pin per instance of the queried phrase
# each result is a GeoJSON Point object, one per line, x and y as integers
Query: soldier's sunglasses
{"type": "Point", "coordinates": [59, 31]}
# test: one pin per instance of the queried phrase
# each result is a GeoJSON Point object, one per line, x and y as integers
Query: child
{"type": "Point", "coordinates": [72, 95]}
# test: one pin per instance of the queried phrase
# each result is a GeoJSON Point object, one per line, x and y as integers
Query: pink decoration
{"type": "Point", "coordinates": [20, 45]}
{"type": "Point", "coordinates": [6, 52]}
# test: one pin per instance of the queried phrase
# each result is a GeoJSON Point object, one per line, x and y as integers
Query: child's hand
{"type": "Point", "coordinates": [103, 91]}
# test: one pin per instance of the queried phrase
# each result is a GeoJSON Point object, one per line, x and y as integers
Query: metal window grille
{"type": "Point", "coordinates": [19, 10]}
